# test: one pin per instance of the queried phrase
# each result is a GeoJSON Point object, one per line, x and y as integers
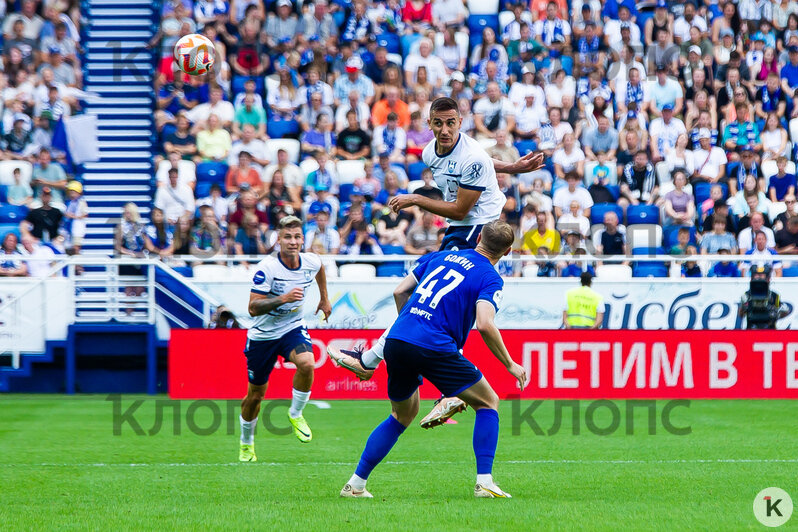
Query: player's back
{"type": "Point", "coordinates": [442, 309]}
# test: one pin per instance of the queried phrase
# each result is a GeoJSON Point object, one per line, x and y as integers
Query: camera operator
{"type": "Point", "coordinates": [761, 306]}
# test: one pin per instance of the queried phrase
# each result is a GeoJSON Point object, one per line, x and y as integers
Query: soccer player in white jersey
{"type": "Point", "coordinates": [276, 299]}
{"type": "Point", "coordinates": [466, 175]}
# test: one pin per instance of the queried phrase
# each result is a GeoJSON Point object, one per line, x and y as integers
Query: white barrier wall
{"type": "Point", "coordinates": [42, 313]}
{"type": "Point", "coordinates": [538, 304]}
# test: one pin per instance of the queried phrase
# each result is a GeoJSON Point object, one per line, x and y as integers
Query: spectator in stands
{"type": "Point", "coordinates": [390, 104]}
{"type": "Point", "coordinates": [682, 242]}
{"type": "Point", "coordinates": [310, 113]}
{"type": "Point", "coordinates": [664, 131]}
{"type": "Point", "coordinates": [280, 32]}
{"type": "Point", "coordinates": [390, 139]}
{"type": "Point", "coordinates": [19, 193]}
{"type": "Point", "coordinates": [250, 88]}
{"type": "Point", "coordinates": [11, 264]}
{"type": "Point", "coordinates": [429, 189]}
{"type": "Point", "coordinates": [250, 114]}
{"type": "Point", "coordinates": [321, 137]}
{"type": "Point", "coordinates": [42, 222]}
{"type": "Point", "coordinates": [353, 103]}
{"type": "Point", "coordinates": [75, 215]}
{"type": "Point", "coordinates": [771, 98]}
{"type": "Point", "coordinates": [358, 26]}
{"type": "Point", "coordinates": [207, 238]}
{"type": "Point", "coordinates": [17, 140]}
{"type": "Point", "coordinates": [787, 238]}
{"type": "Point", "coordinates": [762, 249]}
{"type": "Point", "coordinates": [392, 227]}
{"type": "Point", "coordinates": [186, 171]}
{"type": "Point", "coordinates": [250, 143]}
{"type": "Point", "coordinates": [175, 199]}
{"type": "Point", "coordinates": [32, 22]}
{"type": "Point", "coordinates": [690, 268]}
{"type": "Point", "coordinates": [249, 55]}
{"type": "Point", "coordinates": [611, 239]}
{"type": "Point", "coordinates": [181, 243]}
{"type": "Point", "coordinates": [503, 150]}
{"type": "Point", "coordinates": [745, 238]}
{"type": "Point", "coordinates": [318, 22]}
{"type": "Point", "coordinates": [418, 137]}
{"type": "Point", "coordinates": [129, 241]}
{"type": "Point", "coordinates": [741, 134]}
{"type": "Point", "coordinates": [213, 142]}
{"type": "Point", "coordinates": [281, 198]}
{"type": "Point", "coordinates": [353, 143]}
{"type": "Point", "coordinates": [665, 91]}
{"type": "Point", "coordinates": [719, 238]}
{"type": "Point", "coordinates": [781, 219]}
{"type": "Point", "coordinates": [453, 55]}
{"type": "Point", "coordinates": [354, 80]}
{"type": "Point", "coordinates": [724, 268]}
{"type": "Point", "coordinates": [292, 175]}
{"type": "Point", "coordinates": [216, 105]}
{"type": "Point", "coordinates": [639, 183]}
{"type": "Point", "coordinates": [285, 100]}
{"type": "Point", "coordinates": [573, 192]}
{"type": "Point", "coordinates": [216, 202]}
{"type": "Point", "coordinates": [324, 175]}
{"type": "Point", "coordinates": [775, 140]}
{"type": "Point", "coordinates": [569, 158]}
{"type": "Point", "coordinates": [159, 235]}
{"type": "Point", "coordinates": [678, 206]}
{"type": "Point", "coordinates": [25, 45]}
{"type": "Point", "coordinates": [364, 242]}
{"type": "Point", "coordinates": [322, 239]}
{"type": "Point", "coordinates": [573, 221]}
{"type": "Point", "coordinates": [542, 236]}
{"type": "Point", "coordinates": [251, 238]}
{"type": "Point", "coordinates": [528, 117]}
{"type": "Point", "coordinates": [747, 167]}
{"type": "Point", "coordinates": [782, 184]}
{"type": "Point", "coordinates": [47, 173]}
{"type": "Point", "coordinates": [433, 65]}
{"type": "Point", "coordinates": [242, 173]}
{"type": "Point", "coordinates": [493, 112]}
{"type": "Point", "coordinates": [174, 98]}
{"type": "Point", "coordinates": [181, 140]}
{"type": "Point", "coordinates": [789, 72]}
{"type": "Point", "coordinates": [368, 186]}
{"type": "Point", "coordinates": [709, 161]}
{"type": "Point", "coordinates": [246, 204]}
{"type": "Point", "coordinates": [603, 138]}
{"type": "Point", "coordinates": [422, 237]}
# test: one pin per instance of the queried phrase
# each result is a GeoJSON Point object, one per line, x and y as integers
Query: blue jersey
{"type": "Point", "coordinates": [442, 310]}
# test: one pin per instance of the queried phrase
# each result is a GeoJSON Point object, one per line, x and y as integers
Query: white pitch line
{"type": "Point", "coordinates": [422, 462]}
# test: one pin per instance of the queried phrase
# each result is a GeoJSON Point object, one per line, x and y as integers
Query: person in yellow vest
{"type": "Point", "coordinates": [584, 306]}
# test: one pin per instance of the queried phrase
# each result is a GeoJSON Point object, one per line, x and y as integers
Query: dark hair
{"type": "Point", "coordinates": [586, 278]}
{"type": "Point", "coordinates": [683, 230]}
{"type": "Point", "coordinates": [718, 219]}
{"type": "Point", "coordinates": [497, 237]}
{"type": "Point", "coordinates": [443, 104]}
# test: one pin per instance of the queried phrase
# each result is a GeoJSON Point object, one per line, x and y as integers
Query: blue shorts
{"type": "Point", "coordinates": [460, 237]}
{"type": "Point", "coordinates": [262, 354]}
{"type": "Point", "coordinates": [451, 373]}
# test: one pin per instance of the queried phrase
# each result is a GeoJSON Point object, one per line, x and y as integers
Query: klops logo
{"type": "Point", "coordinates": [772, 507]}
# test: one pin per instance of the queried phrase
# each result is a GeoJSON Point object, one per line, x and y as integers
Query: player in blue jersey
{"type": "Point", "coordinates": [466, 175]}
{"type": "Point", "coordinates": [276, 299]}
{"type": "Point", "coordinates": [438, 304]}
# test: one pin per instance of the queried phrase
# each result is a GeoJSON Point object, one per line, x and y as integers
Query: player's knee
{"type": "Point", "coordinates": [304, 366]}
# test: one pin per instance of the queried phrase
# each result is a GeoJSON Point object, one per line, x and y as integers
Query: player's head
{"type": "Point", "coordinates": [444, 121]}
{"type": "Point", "coordinates": [290, 236]}
{"type": "Point", "coordinates": [496, 239]}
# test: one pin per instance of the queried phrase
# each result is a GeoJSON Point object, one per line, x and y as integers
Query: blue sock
{"type": "Point", "coordinates": [486, 437]}
{"type": "Point", "coordinates": [379, 444]}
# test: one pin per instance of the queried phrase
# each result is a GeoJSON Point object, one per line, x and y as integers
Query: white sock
{"type": "Point", "coordinates": [357, 483]}
{"type": "Point", "coordinates": [372, 358]}
{"type": "Point", "coordinates": [248, 430]}
{"type": "Point", "coordinates": [485, 480]}
{"type": "Point", "coordinates": [298, 402]}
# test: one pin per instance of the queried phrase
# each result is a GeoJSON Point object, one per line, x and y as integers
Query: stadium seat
{"type": "Point", "coordinates": [701, 191]}
{"type": "Point", "coordinates": [210, 272]}
{"type": "Point", "coordinates": [278, 129]}
{"type": "Point", "coordinates": [791, 270]}
{"type": "Point", "coordinates": [8, 228]}
{"type": "Point", "coordinates": [12, 214]}
{"type": "Point", "coordinates": [390, 42]}
{"type": "Point", "coordinates": [408, 41]}
{"type": "Point", "coordinates": [477, 22]}
{"type": "Point", "coordinates": [391, 269]}
{"type": "Point", "coordinates": [776, 208]}
{"type": "Point", "coordinates": [211, 172]}
{"type": "Point", "coordinates": [530, 270]}
{"type": "Point", "coordinates": [615, 190]}
{"type": "Point", "coordinates": [357, 272]}
{"type": "Point", "coordinates": [308, 165]}
{"type": "Point", "coordinates": [643, 236]}
{"type": "Point", "coordinates": [414, 171]}
{"type": "Point", "coordinates": [599, 209]}
{"type": "Point", "coordinates": [671, 236]}
{"type": "Point", "coordinates": [238, 84]}
{"type": "Point", "coordinates": [289, 145]}
{"type": "Point", "coordinates": [484, 7]}
{"type": "Point", "coordinates": [203, 189]}
{"type": "Point", "coordinates": [344, 191]}
{"type": "Point", "coordinates": [642, 214]}
{"type": "Point", "coordinates": [412, 186]}
{"type": "Point", "coordinates": [3, 194]}
{"type": "Point", "coordinates": [587, 178]}
{"type": "Point", "coordinates": [393, 250]}
{"type": "Point", "coordinates": [7, 172]}
{"type": "Point", "coordinates": [647, 269]}
{"type": "Point", "coordinates": [349, 171]}
{"type": "Point", "coordinates": [505, 18]}
{"type": "Point", "coordinates": [613, 272]}
{"type": "Point", "coordinates": [525, 146]}
{"type": "Point", "coordinates": [646, 251]}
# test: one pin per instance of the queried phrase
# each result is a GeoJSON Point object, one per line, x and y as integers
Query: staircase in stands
{"type": "Point", "coordinates": [119, 68]}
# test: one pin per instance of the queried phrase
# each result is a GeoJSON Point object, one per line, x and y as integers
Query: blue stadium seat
{"type": "Point", "coordinates": [525, 146]}
{"type": "Point", "coordinates": [476, 23]}
{"type": "Point", "coordinates": [8, 228]}
{"type": "Point", "coordinates": [648, 251]}
{"type": "Point", "coordinates": [792, 271]}
{"type": "Point", "coordinates": [211, 172]}
{"type": "Point", "coordinates": [391, 269]}
{"type": "Point", "coordinates": [12, 214]}
{"type": "Point", "coordinates": [599, 209]}
{"type": "Point", "coordinates": [408, 41]}
{"type": "Point", "coordinates": [238, 84]}
{"type": "Point", "coordinates": [701, 191]}
{"type": "Point", "coordinates": [642, 214]}
{"type": "Point", "coordinates": [203, 189]}
{"type": "Point", "coordinates": [650, 270]}
{"type": "Point", "coordinates": [414, 171]}
{"type": "Point", "coordinates": [671, 235]}
{"type": "Point", "coordinates": [393, 250]}
{"type": "Point", "coordinates": [615, 190]}
{"type": "Point", "coordinates": [278, 129]}
{"type": "Point", "coordinates": [3, 193]}
{"type": "Point", "coordinates": [344, 191]}
{"type": "Point", "coordinates": [390, 42]}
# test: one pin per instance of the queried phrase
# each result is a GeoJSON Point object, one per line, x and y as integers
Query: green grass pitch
{"type": "Point", "coordinates": [61, 468]}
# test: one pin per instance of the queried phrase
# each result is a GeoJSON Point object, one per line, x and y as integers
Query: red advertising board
{"type": "Point", "coordinates": [619, 364]}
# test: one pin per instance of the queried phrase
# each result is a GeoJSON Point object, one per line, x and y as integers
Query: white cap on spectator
{"type": "Point", "coordinates": [281, 3]}
{"type": "Point", "coordinates": [457, 76]}
{"type": "Point", "coordinates": [695, 49]}
{"type": "Point", "coordinates": [703, 133]}
{"type": "Point", "coordinates": [354, 63]}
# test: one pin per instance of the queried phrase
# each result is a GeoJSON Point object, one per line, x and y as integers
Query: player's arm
{"type": "Point", "coordinates": [324, 301]}
{"type": "Point", "coordinates": [528, 163]}
{"type": "Point", "coordinates": [455, 210]}
{"type": "Point", "coordinates": [403, 292]}
{"type": "Point", "coordinates": [493, 339]}
{"type": "Point", "coordinates": [260, 304]}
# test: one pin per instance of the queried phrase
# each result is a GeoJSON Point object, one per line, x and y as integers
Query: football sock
{"type": "Point", "coordinates": [486, 436]}
{"type": "Point", "coordinates": [357, 483]}
{"type": "Point", "coordinates": [298, 402]}
{"type": "Point", "coordinates": [485, 480]}
{"type": "Point", "coordinates": [372, 358]}
{"type": "Point", "coordinates": [248, 430]}
{"type": "Point", "coordinates": [379, 444]}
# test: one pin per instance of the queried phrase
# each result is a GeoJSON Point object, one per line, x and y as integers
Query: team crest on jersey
{"type": "Point", "coordinates": [452, 167]}
{"type": "Point", "coordinates": [497, 297]}
{"type": "Point", "coordinates": [259, 278]}
{"type": "Point", "coordinates": [477, 169]}
{"type": "Point", "coordinates": [308, 275]}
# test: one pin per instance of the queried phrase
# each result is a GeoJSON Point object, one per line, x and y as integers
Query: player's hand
{"type": "Point", "coordinates": [325, 307]}
{"type": "Point", "coordinates": [528, 163]}
{"type": "Point", "coordinates": [293, 296]}
{"type": "Point", "coordinates": [518, 371]}
{"type": "Point", "coordinates": [402, 201]}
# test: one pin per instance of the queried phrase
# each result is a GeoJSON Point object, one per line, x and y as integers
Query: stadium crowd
{"type": "Point", "coordinates": [668, 127]}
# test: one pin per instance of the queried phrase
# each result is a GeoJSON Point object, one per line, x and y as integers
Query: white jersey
{"type": "Point", "coordinates": [273, 278]}
{"type": "Point", "coordinates": [467, 166]}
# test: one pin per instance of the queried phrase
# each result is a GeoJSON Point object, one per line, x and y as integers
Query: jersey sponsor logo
{"type": "Point", "coordinates": [259, 278]}
{"type": "Point", "coordinates": [497, 297]}
{"type": "Point", "coordinates": [477, 169]}
{"type": "Point", "coordinates": [278, 287]}
{"type": "Point", "coordinates": [452, 167]}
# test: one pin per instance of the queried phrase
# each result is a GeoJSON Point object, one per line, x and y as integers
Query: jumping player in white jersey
{"type": "Point", "coordinates": [276, 298]}
{"type": "Point", "coordinates": [466, 175]}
